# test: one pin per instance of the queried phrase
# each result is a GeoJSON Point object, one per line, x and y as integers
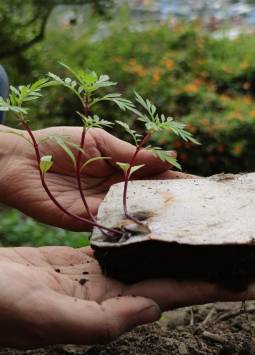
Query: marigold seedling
{"type": "Point", "coordinates": [86, 86]}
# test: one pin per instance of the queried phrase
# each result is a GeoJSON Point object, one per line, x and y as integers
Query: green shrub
{"type": "Point", "coordinates": [206, 82]}
{"type": "Point", "coordinates": [18, 230]}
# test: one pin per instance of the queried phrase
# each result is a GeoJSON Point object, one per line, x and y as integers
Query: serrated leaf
{"type": "Point", "coordinates": [140, 100]}
{"type": "Point", "coordinates": [40, 84]}
{"type": "Point", "coordinates": [13, 89]}
{"type": "Point", "coordinates": [95, 122]}
{"type": "Point", "coordinates": [68, 80]}
{"type": "Point", "coordinates": [46, 163]}
{"type": "Point", "coordinates": [103, 78]}
{"type": "Point", "coordinates": [164, 156]}
{"type": "Point", "coordinates": [55, 77]}
{"type": "Point", "coordinates": [130, 131]}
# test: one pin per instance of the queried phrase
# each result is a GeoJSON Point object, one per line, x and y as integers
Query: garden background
{"type": "Point", "coordinates": [204, 80]}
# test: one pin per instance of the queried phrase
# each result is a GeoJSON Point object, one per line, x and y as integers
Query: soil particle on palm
{"type": "Point", "coordinates": [174, 335]}
{"type": "Point", "coordinates": [82, 281]}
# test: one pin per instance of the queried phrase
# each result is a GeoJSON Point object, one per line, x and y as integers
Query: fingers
{"type": "Point", "coordinates": [122, 151]}
{"type": "Point", "coordinates": [170, 293]}
{"type": "Point", "coordinates": [74, 321]}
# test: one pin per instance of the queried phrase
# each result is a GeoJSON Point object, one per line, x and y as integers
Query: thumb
{"type": "Point", "coordinates": [122, 151]}
{"type": "Point", "coordinates": [75, 321]}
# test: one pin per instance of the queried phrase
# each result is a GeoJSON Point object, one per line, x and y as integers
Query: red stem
{"type": "Point", "coordinates": [127, 176]}
{"type": "Point", "coordinates": [44, 184]}
{"type": "Point", "coordinates": [78, 162]}
{"type": "Point", "coordinates": [78, 173]}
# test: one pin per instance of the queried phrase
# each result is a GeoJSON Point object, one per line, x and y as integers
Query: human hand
{"type": "Point", "coordinates": [55, 295]}
{"type": "Point", "coordinates": [21, 186]}
{"type": "Point", "coordinates": [44, 299]}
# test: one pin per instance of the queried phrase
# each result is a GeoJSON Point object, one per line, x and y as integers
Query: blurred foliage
{"type": "Point", "coordinates": [18, 230]}
{"type": "Point", "coordinates": [27, 21]}
{"type": "Point", "coordinates": [207, 82]}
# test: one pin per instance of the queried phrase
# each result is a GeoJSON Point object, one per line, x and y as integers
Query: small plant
{"type": "Point", "coordinates": [85, 85]}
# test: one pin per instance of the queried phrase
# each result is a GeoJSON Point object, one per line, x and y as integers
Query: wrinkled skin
{"type": "Point", "coordinates": [21, 186]}
{"type": "Point", "coordinates": [39, 305]}
{"type": "Point", "coordinates": [42, 301]}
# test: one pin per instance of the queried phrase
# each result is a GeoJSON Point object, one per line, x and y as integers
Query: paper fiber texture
{"type": "Point", "coordinates": [207, 211]}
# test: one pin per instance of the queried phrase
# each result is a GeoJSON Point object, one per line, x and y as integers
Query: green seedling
{"type": "Point", "coordinates": [153, 122]}
{"type": "Point", "coordinates": [86, 85]}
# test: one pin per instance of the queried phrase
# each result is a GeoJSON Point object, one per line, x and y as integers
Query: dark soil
{"type": "Point", "coordinates": [225, 264]}
{"type": "Point", "coordinates": [227, 331]}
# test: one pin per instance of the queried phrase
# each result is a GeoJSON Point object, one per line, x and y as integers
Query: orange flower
{"type": "Point", "coordinates": [135, 68]}
{"type": "Point", "coordinates": [238, 148]}
{"type": "Point", "coordinates": [205, 121]}
{"type": "Point", "coordinates": [252, 114]}
{"type": "Point", "coordinates": [139, 70]}
{"type": "Point", "coordinates": [156, 74]}
{"type": "Point", "coordinates": [169, 64]}
{"type": "Point", "coordinates": [193, 87]}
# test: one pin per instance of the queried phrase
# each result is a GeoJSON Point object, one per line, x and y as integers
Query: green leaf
{"type": "Point", "coordinates": [89, 80]}
{"type": "Point", "coordinates": [46, 163]}
{"type": "Point", "coordinates": [135, 168]}
{"type": "Point", "coordinates": [14, 90]}
{"type": "Point", "coordinates": [131, 132]}
{"type": "Point", "coordinates": [56, 78]}
{"type": "Point", "coordinates": [116, 98]}
{"type": "Point", "coordinates": [164, 156]}
{"type": "Point", "coordinates": [76, 146]}
{"type": "Point", "coordinates": [123, 166]}
{"type": "Point", "coordinates": [140, 100]}
{"type": "Point", "coordinates": [154, 122]}
{"type": "Point", "coordinates": [64, 146]}
{"type": "Point", "coordinates": [94, 121]}
{"type": "Point", "coordinates": [91, 160]}
{"type": "Point", "coordinates": [5, 105]}
{"type": "Point", "coordinates": [126, 166]}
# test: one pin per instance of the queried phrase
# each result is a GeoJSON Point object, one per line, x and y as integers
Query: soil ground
{"type": "Point", "coordinates": [222, 328]}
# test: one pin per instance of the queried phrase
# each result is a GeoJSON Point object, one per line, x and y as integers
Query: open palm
{"type": "Point", "coordinates": [59, 295]}
{"type": "Point", "coordinates": [25, 191]}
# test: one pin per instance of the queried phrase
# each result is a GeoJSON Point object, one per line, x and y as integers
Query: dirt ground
{"type": "Point", "coordinates": [222, 328]}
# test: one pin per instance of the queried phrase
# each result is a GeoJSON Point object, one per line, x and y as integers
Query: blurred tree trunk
{"type": "Point", "coordinates": [23, 23]}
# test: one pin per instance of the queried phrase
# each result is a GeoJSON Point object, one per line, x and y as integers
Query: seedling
{"type": "Point", "coordinates": [86, 85]}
